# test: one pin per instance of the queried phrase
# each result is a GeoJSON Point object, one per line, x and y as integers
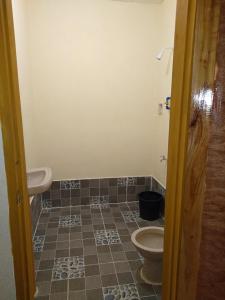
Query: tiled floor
{"type": "Point", "coordinates": [85, 253]}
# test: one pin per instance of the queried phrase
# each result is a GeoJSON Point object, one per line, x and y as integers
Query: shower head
{"type": "Point", "coordinates": [159, 56]}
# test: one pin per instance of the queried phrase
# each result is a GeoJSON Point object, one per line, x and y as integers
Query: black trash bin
{"type": "Point", "coordinates": [150, 205]}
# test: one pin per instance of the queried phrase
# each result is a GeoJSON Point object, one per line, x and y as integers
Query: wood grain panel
{"type": "Point", "coordinates": [211, 279]}
{"type": "Point", "coordinates": [203, 75]}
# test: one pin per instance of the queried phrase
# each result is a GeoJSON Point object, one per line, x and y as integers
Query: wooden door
{"type": "Point", "coordinates": [11, 122]}
{"type": "Point", "coordinates": [194, 264]}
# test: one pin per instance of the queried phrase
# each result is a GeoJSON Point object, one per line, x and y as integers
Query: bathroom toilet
{"type": "Point", "coordinates": [149, 243]}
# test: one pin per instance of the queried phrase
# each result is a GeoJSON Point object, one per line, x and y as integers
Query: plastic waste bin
{"type": "Point", "coordinates": [150, 205]}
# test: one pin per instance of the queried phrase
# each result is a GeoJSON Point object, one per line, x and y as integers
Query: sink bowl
{"type": "Point", "coordinates": [38, 180]}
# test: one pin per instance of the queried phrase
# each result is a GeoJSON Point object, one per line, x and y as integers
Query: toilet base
{"type": "Point", "coordinates": [151, 271]}
{"type": "Point", "coordinates": [147, 280]}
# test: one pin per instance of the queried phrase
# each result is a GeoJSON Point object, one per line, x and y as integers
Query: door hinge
{"type": "Point", "coordinates": [19, 198]}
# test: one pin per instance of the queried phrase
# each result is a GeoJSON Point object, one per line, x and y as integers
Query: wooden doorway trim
{"type": "Point", "coordinates": [178, 136]}
{"type": "Point", "coordinates": [12, 132]}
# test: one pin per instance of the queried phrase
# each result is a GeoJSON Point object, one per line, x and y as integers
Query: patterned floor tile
{"type": "Point", "coordinates": [129, 292]}
{"type": "Point", "coordinates": [38, 243]}
{"type": "Point", "coordinates": [122, 182]}
{"type": "Point", "coordinates": [107, 237]}
{"type": "Point", "coordinates": [69, 184]}
{"type": "Point", "coordinates": [70, 221]}
{"type": "Point", "coordinates": [111, 293]}
{"type": "Point", "coordinates": [46, 203]}
{"type": "Point", "coordinates": [101, 237]}
{"type": "Point", "coordinates": [75, 184]}
{"type": "Point", "coordinates": [68, 268]}
{"type": "Point", "coordinates": [65, 185]}
{"type": "Point", "coordinates": [131, 181]}
{"type": "Point", "coordinates": [131, 216]}
{"type": "Point", "coordinates": [121, 292]}
{"type": "Point", "coordinates": [99, 202]}
{"type": "Point", "coordinates": [113, 237]}
{"type": "Point", "coordinates": [133, 205]}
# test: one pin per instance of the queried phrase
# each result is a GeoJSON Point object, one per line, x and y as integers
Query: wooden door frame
{"type": "Point", "coordinates": [10, 116]}
{"type": "Point", "coordinates": [178, 137]}
{"type": "Point", "coordinates": [12, 133]}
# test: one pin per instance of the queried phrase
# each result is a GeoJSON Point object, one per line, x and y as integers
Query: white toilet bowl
{"type": "Point", "coordinates": [149, 243]}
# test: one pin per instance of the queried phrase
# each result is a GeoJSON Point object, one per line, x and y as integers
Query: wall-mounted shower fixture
{"type": "Point", "coordinates": [168, 100]}
{"type": "Point", "coordinates": [163, 158]}
{"type": "Point", "coordinates": [160, 55]}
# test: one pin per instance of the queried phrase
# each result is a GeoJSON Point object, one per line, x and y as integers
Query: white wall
{"type": "Point", "coordinates": [164, 73]}
{"type": "Point", "coordinates": [7, 280]}
{"type": "Point", "coordinates": [95, 87]}
{"type": "Point", "coordinates": [20, 16]}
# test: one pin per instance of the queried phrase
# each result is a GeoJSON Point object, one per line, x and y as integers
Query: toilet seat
{"type": "Point", "coordinates": [149, 238]}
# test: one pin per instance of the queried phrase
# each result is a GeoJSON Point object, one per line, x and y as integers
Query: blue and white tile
{"type": "Point", "coordinates": [69, 221]}
{"type": "Point", "coordinates": [129, 292]}
{"type": "Point", "coordinates": [75, 184]}
{"type": "Point", "coordinates": [121, 292]}
{"type": "Point", "coordinates": [111, 293]}
{"type": "Point", "coordinates": [113, 236]}
{"type": "Point", "coordinates": [65, 185]}
{"type": "Point", "coordinates": [131, 181]}
{"type": "Point", "coordinates": [101, 237]}
{"type": "Point", "coordinates": [99, 202]}
{"type": "Point", "coordinates": [69, 184]}
{"type": "Point", "coordinates": [131, 216]}
{"type": "Point", "coordinates": [38, 243]}
{"type": "Point", "coordinates": [46, 203]}
{"type": "Point", "coordinates": [68, 268]}
{"type": "Point", "coordinates": [122, 182]}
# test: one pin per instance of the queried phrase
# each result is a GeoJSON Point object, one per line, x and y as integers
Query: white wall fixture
{"type": "Point", "coordinates": [39, 180]}
{"type": "Point", "coordinates": [160, 55]}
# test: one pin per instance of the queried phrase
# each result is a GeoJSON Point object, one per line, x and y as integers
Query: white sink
{"type": "Point", "coordinates": [39, 180]}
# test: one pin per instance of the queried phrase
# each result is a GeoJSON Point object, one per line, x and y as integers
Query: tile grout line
{"type": "Point", "coordinates": [68, 288]}
{"type": "Point", "coordinates": [97, 250]}
{"type": "Point", "coordinates": [37, 222]}
{"type": "Point", "coordinates": [110, 254]}
{"type": "Point", "coordinates": [68, 206]}
{"type": "Point", "coordinates": [155, 291]}
{"type": "Point", "coordinates": [136, 270]}
{"type": "Point", "coordinates": [114, 263]}
{"type": "Point", "coordinates": [126, 187]}
{"type": "Point", "coordinates": [85, 289]}
{"type": "Point", "coordinates": [42, 245]}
